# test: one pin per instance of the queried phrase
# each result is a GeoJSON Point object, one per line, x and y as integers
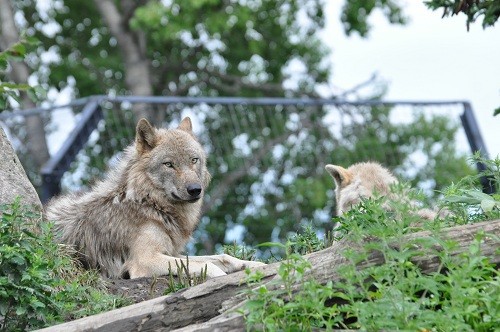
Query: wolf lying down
{"type": "Point", "coordinates": [364, 180]}
{"type": "Point", "coordinates": [136, 222]}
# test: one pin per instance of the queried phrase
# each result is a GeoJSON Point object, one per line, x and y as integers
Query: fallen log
{"type": "Point", "coordinates": [212, 304]}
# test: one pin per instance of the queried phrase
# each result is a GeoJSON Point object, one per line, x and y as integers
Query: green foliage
{"type": "Point", "coordinates": [239, 251]}
{"type": "Point", "coordinates": [465, 200]}
{"type": "Point", "coordinates": [270, 309]}
{"type": "Point", "coordinates": [397, 294]}
{"type": "Point", "coordinates": [40, 284]}
{"type": "Point", "coordinates": [307, 241]}
{"type": "Point", "coordinates": [195, 48]}
{"type": "Point", "coordinates": [17, 52]}
{"type": "Point", "coordinates": [473, 9]}
{"type": "Point", "coordinates": [496, 111]}
{"type": "Point", "coordinates": [355, 14]}
{"type": "Point", "coordinates": [184, 278]}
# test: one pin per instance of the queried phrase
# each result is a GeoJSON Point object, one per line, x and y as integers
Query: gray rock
{"type": "Point", "coordinates": [13, 179]}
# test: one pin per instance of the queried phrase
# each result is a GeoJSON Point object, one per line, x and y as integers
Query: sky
{"type": "Point", "coordinates": [431, 58]}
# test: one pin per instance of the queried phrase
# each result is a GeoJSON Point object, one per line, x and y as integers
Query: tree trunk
{"type": "Point", "coordinates": [132, 49]}
{"type": "Point", "coordinates": [35, 130]}
{"type": "Point", "coordinates": [212, 305]}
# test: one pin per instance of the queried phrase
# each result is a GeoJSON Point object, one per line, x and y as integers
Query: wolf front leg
{"type": "Point", "coordinates": [225, 262]}
{"type": "Point", "coordinates": [160, 264]}
{"type": "Point", "coordinates": [147, 257]}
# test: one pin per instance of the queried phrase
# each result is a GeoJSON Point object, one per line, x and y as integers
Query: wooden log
{"type": "Point", "coordinates": [216, 299]}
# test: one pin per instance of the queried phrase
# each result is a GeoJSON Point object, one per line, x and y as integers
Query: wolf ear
{"type": "Point", "coordinates": [186, 125]}
{"type": "Point", "coordinates": [341, 176]}
{"type": "Point", "coordinates": [145, 137]}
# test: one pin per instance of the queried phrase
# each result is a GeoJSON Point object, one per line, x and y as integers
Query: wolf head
{"type": "Point", "coordinates": [359, 181]}
{"type": "Point", "coordinates": [172, 160]}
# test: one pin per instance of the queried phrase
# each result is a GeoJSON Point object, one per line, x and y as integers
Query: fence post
{"type": "Point", "coordinates": [477, 144]}
{"type": "Point", "coordinates": [55, 167]}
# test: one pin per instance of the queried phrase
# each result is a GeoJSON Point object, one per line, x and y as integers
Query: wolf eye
{"type": "Point", "coordinates": [168, 164]}
{"type": "Point", "coordinates": [194, 160]}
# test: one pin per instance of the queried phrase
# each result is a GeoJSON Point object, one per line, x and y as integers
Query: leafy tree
{"type": "Point", "coordinates": [191, 47]}
{"type": "Point", "coordinates": [355, 14]}
{"type": "Point", "coordinates": [473, 9]}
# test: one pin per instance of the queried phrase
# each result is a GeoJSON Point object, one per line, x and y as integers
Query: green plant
{"type": "Point", "coordinates": [465, 200]}
{"type": "Point", "coordinates": [307, 241]}
{"type": "Point", "coordinates": [40, 284]}
{"type": "Point", "coordinates": [290, 302]}
{"type": "Point", "coordinates": [460, 296]}
{"type": "Point", "coordinates": [239, 251]}
{"type": "Point", "coordinates": [184, 277]}
{"type": "Point", "coordinates": [473, 9]}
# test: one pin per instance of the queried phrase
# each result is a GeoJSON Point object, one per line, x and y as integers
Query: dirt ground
{"type": "Point", "coordinates": [138, 290]}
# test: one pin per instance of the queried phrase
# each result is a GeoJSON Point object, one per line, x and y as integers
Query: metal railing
{"type": "Point", "coordinates": [264, 153]}
{"type": "Point", "coordinates": [92, 114]}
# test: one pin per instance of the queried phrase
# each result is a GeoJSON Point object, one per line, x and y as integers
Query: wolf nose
{"type": "Point", "coordinates": [194, 190]}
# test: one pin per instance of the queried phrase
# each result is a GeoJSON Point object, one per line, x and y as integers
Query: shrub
{"type": "Point", "coordinates": [40, 284]}
{"type": "Point", "coordinates": [461, 296]}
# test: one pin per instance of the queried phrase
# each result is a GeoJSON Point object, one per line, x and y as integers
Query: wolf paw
{"type": "Point", "coordinates": [233, 264]}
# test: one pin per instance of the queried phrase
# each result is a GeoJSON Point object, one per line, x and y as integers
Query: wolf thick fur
{"type": "Point", "coordinates": [363, 180]}
{"type": "Point", "coordinates": [139, 218]}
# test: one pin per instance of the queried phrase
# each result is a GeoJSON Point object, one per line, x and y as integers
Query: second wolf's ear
{"type": "Point", "coordinates": [145, 136]}
{"type": "Point", "coordinates": [186, 125]}
{"type": "Point", "coordinates": [341, 175]}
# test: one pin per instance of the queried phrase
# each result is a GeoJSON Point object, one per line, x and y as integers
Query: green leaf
{"type": "Point", "coordinates": [462, 199]}
{"type": "Point", "coordinates": [18, 49]}
{"type": "Point", "coordinates": [254, 305]}
{"type": "Point", "coordinates": [3, 307]}
{"type": "Point", "coordinates": [272, 244]}
{"type": "Point", "coordinates": [3, 64]}
{"type": "Point", "coordinates": [20, 311]}
{"type": "Point", "coordinates": [487, 205]}
{"type": "Point", "coordinates": [478, 195]}
{"type": "Point", "coordinates": [37, 304]}
{"type": "Point", "coordinates": [496, 111]}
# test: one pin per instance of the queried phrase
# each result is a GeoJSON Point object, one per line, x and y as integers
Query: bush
{"type": "Point", "coordinates": [40, 284]}
{"type": "Point", "coordinates": [461, 296]}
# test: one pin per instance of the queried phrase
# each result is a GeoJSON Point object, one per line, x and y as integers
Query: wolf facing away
{"type": "Point", "coordinates": [363, 180]}
{"type": "Point", "coordinates": [138, 219]}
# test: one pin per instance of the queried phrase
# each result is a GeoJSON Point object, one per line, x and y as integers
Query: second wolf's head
{"type": "Point", "coordinates": [171, 163]}
{"type": "Point", "coordinates": [359, 181]}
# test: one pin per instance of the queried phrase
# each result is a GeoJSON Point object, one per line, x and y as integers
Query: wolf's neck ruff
{"type": "Point", "coordinates": [167, 213]}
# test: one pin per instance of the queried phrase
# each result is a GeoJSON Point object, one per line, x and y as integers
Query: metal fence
{"type": "Point", "coordinates": [266, 155]}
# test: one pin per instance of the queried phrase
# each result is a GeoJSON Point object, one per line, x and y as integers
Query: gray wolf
{"type": "Point", "coordinates": [364, 180]}
{"type": "Point", "coordinates": [137, 221]}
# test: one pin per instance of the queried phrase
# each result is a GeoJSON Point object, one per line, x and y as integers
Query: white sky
{"type": "Point", "coordinates": [428, 59]}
